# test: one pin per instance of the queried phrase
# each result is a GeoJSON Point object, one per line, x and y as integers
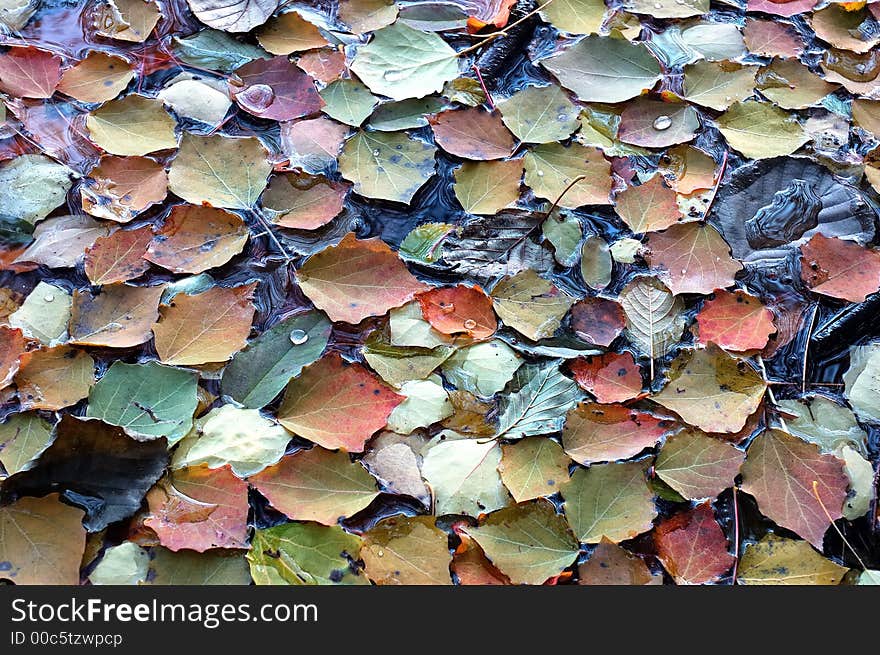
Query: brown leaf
{"type": "Point", "coordinates": [207, 327]}
{"type": "Point", "coordinates": [693, 258]}
{"type": "Point", "coordinates": [472, 133]}
{"type": "Point", "coordinates": [120, 316]}
{"type": "Point", "coordinates": [597, 321]}
{"type": "Point", "coordinates": [53, 378]}
{"type": "Point", "coordinates": [603, 433]}
{"type": "Point", "coordinates": [459, 309]}
{"type": "Point", "coordinates": [356, 279]}
{"type": "Point", "coordinates": [313, 144]}
{"type": "Point", "coordinates": [780, 471]}
{"type": "Point", "coordinates": [119, 256]}
{"type": "Point", "coordinates": [771, 39]}
{"type": "Point", "coordinates": [323, 65]}
{"type": "Point", "coordinates": [120, 188]}
{"type": "Point", "coordinates": [657, 124]}
{"type": "Point", "coordinates": [406, 550]}
{"type": "Point", "coordinates": [12, 347]}
{"type": "Point", "coordinates": [692, 546]}
{"type": "Point", "coordinates": [839, 268]}
{"type": "Point", "coordinates": [612, 565]}
{"type": "Point", "coordinates": [199, 508]}
{"type": "Point", "coordinates": [275, 89]}
{"type": "Point", "coordinates": [97, 78]}
{"type": "Point", "coordinates": [648, 207]}
{"type": "Point", "coordinates": [288, 33]}
{"type": "Point", "coordinates": [336, 404]}
{"type": "Point", "coordinates": [472, 567]}
{"type": "Point", "coordinates": [698, 466]}
{"type": "Point", "coordinates": [304, 202]}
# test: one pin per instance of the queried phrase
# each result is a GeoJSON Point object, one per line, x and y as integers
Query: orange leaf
{"type": "Point", "coordinates": [692, 546]}
{"type": "Point", "coordinates": [611, 378]}
{"type": "Point", "coordinates": [472, 567]}
{"type": "Point", "coordinates": [603, 433]}
{"type": "Point", "coordinates": [198, 508]}
{"type": "Point", "coordinates": [207, 327]}
{"type": "Point", "coordinates": [840, 269]}
{"type": "Point", "coordinates": [53, 378]}
{"type": "Point", "coordinates": [12, 347]}
{"type": "Point", "coordinates": [453, 310]}
{"type": "Point", "coordinates": [735, 321]}
{"type": "Point", "coordinates": [194, 239]}
{"type": "Point", "coordinates": [120, 188]}
{"type": "Point", "coordinates": [693, 258]}
{"type": "Point", "coordinates": [119, 256]}
{"type": "Point", "coordinates": [648, 207]}
{"type": "Point", "coordinates": [120, 316]}
{"type": "Point", "coordinates": [356, 279]}
{"type": "Point", "coordinates": [337, 404]}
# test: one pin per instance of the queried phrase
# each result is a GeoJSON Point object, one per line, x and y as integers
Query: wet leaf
{"type": "Point", "coordinates": [861, 380]}
{"type": "Point", "coordinates": [59, 242]}
{"type": "Point", "coordinates": [487, 187]}
{"type": "Point", "coordinates": [96, 466]}
{"type": "Point", "coordinates": [601, 433]}
{"type": "Point", "coordinates": [367, 15]}
{"type": "Point", "coordinates": [336, 404]}
{"type": "Point", "coordinates": [712, 390]}
{"type": "Point", "coordinates": [539, 114]}
{"type": "Point", "coordinates": [463, 476]}
{"type": "Point", "coordinates": [125, 564]}
{"type": "Point", "coordinates": [604, 69]}
{"type": "Point", "coordinates": [126, 20]}
{"type": "Point", "coordinates": [120, 188]}
{"type": "Point", "coordinates": [698, 466]}
{"type": "Point", "coordinates": [213, 49]}
{"type": "Point", "coordinates": [551, 171]}
{"type": "Point", "coordinates": [610, 378]}
{"type": "Point", "coordinates": [780, 471]}
{"type": "Point", "coordinates": [760, 130]}
{"type": "Point", "coordinates": [187, 567]}
{"type": "Point", "coordinates": [770, 39]}
{"type": "Point", "coordinates": [41, 541]}
{"type": "Point", "coordinates": [846, 27]}
{"type": "Point", "coordinates": [148, 400]}
{"type": "Point", "coordinates": [97, 78]}
{"type": "Point", "coordinates": [199, 508]}
{"type": "Point", "coordinates": [539, 397]}
{"type": "Point", "coordinates": [303, 202]}
{"type": "Point", "coordinates": [426, 403]}
{"type": "Point", "coordinates": [654, 317]}
{"type": "Point", "coordinates": [133, 125]}
{"type": "Point", "coordinates": [356, 279]}
{"type": "Point", "coordinates": [530, 305]}
{"type": "Point", "coordinates": [840, 269]}
{"type": "Point", "coordinates": [120, 316]}
{"type": "Point", "coordinates": [528, 542]}
{"type": "Point", "coordinates": [656, 124]}
{"type": "Point", "coordinates": [735, 321]}
{"type": "Point", "coordinates": [53, 378]}
{"type": "Point", "coordinates": [22, 438]}
{"type": "Point", "coordinates": [792, 85]}
{"type": "Point", "coordinates": [718, 85]}
{"type": "Point", "coordinates": [609, 500]}
{"type": "Point", "coordinates": [304, 554]}
{"type": "Point", "coordinates": [387, 165]}
{"type": "Point", "coordinates": [824, 422]}
{"type": "Point", "coordinates": [597, 321]}
{"type": "Point", "coordinates": [575, 16]}
{"type": "Point", "coordinates": [348, 101]}
{"type": "Point", "coordinates": [317, 485]}
{"type": "Point", "coordinates": [404, 115]}
{"type": "Point", "coordinates": [402, 62]}
{"type": "Point", "coordinates": [483, 368]}
{"type": "Point", "coordinates": [471, 566]}
{"type": "Point", "coordinates": [44, 314]}
{"type": "Point", "coordinates": [193, 239]}
{"type": "Point", "coordinates": [533, 467]}
{"type": "Point", "coordinates": [649, 207]}
{"type": "Point", "coordinates": [258, 373]}
{"type": "Point", "coordinates": [241, 438]}
{"type": "Point", "coordinates": [459, 309]}
{"type": "Point", "coordinates": [219, 171]}
{"type": "Point", "coordinates": [779, 561]}
{"type": "Point", "coordinates": [275, 89]}
{"type": "Point", "coordinates": [29, 72]}
{"type": "Point", "coordinates": [233, 15]}
{"type": "Point", "coordinates": [393, 460]}
{"type": "Point", "coordinates": [31, 186]}
{"type": "Point", "coordinates": [288, 33]}
{"type": "Point", "coordinates": [313, 144]}
{"type": "Point", "coordinates": [692, 546]}
{"type": "Point", "coordinates": [612, 565]}
{"type": "Point", "coordinates": [472, 133]}
{"type": "Point", "coordinates": [692, 258]}
{"type": "Point", "coordinates": [423, 243]}
{"type": "Point", "coordinates": [406, 550]}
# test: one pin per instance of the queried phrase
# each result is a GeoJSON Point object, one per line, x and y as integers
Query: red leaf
{"type": "Point", "coordinates": [119, 256]}
{"type": "Point", "coordinates": [199, 508]}
{"type": "Point", "coordinates": [453, 310]}
{"type": "Point", "coordinates": [840, 269]}
{"type": "Point", "coordinates": [337, 404]}
{"type": "Point", "coordinates": [499, 18]}
{"type": "Point", "coordinates": [472, 133]}
{"type": "Point", "coordinates": [611, 378]}
{"type": "Point", "coordinates": [597, 321]}
{"type": "Point", "coordinates": [692, 546]}
{"type": "Point", "coordinates": [12, 347]}
{"type": "Point", "coordinates": [603, 433]}
{"type": "Point", "coordinates": [784, 8]}
{"type": "Point", "coordinates": [735, 321]}
{"type": "Point", "coordinates": [275, 88]}
{"type": "Point", "coordinates": [29, 72]}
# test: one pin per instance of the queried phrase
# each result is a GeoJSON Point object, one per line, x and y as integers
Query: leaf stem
{"type": "Point", "coordinates": [834, 525]}
{"type": "Point", "coordinates": [735, 536]}
{"type": "Point", "coordinates": [494, 35]}
{"type": "Point", "coordinates": [562, 195]}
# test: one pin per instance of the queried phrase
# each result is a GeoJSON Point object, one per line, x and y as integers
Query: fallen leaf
{"type": "Point", "coordinates": [119, 256]}
{"type": "Point", "coordinates": [133, 125]}
{"type": "Point", "coordinates": [187, 567]}
{"type": "Point", "coordinates": [718, 85]}
{"type": "Point", "coordinates": [120, 188]}
{"type": "Point", "coordinates": [530, 305]}
{"type": "Point", "coordinates": [528, 542]}
{"type": "Point", "coordinates": [426, 402]}
{"type": "Point", "coordinates": [31, 186]}
{"type": "Point", "coordinates": [612, 565]}
{"type": "Point", "coordinates": [348, 101]}
{"type": "Point", "coordinates": [356, 279]}
{"type": "Point", "coordinates": [126, 20]}
{"type": "Point", "coordinates": [463, 476]}
{"type": "Point", "coordinates": [692, 546]}
{"type": "Point", "coordinates": [97, 78]}
{"type": "Point", "coordinates": [199, 508]}
{"type": "Point", "coordinates": [840, 269]}
{"type": "Point", "coordinates": [313, 144]}
{"type": "Point", "coordinates": [459, 309]}
{"type": "Point", "coordinates": [59, 242]}
{"type": "Point", "coordinates": [288, 33]}
{"type": "Point", "coordinates": [44, 314]}
{"type": "Point", "coordinates": [22, 438]}
{"type": "Point", "coordinates": [539, 397]}
{"type": "Point", "coordinates": [233, 15]}
{"type": "Point", "coordinates": [482, 368]}
{"type": "Point", "coordinates": [791, 85]}
{"type": "Point", "coordinates": [41, 541]}
{"type": "Point", "coordinates": [193, 239]}
{"type": "Point", "coordinates": [779, 561]}
{"type": "Point", "coordinates": [206, 327]}
{"type": "Point", "coordinates": [551, 170]}
{"type": "Point", "coordinates": [472, 133]}
{"type": "Point", "coordinates": [533, 467]}
{"type": "Point", "coordinates": [125, 564]}
{"type": "Point", "coordinates": [654, 316]}
{"type": "Point", "coordinates": [304, 202]}
{"type": "Point", "coordinates": [53, 378]}
{"type": "Point", "coordinates": [657, 124]}
{"type": "Point", "coordinates": [780, 471]}
{"type": "Point", "coordinates": [336, 404]}
{"type": "Point", "coordinates": [487, 187]}
{"type": "Point", "coordinates": [539, 114]}
{"type": "Point", "coordinates": [274, 89]}
{"type": "Point", "coordinates": [575, 16]}
{"type": "Point", "coordinates": [771, 39]}
{"type": "Point", "coordinates": [120, 316]}
{"type": "Point", "coordinates": [602, 433]}
{"type": "Point", "coordinates": [649, 207]}
{"type": "Point", "coordinates": [471, 566]}
{"type": "Point", "coordinates": [610, 378]}
{"type": "Point", "coordinates": [735, 321]}
{"type": "Point", "coordinates": [317, 485]}
{"type": "Point", "coordinates": [760, 130]}
{"type": "Point", "coordinates": [597, 321]}
{"type": "Point", "coordinates": [29, 72]}
{"type": "Point", "coordinates": [406, 550]}
{"type": "Point", "coordinates": [609, 500]}
{"type": "Point", "coordinates": [698, 466]}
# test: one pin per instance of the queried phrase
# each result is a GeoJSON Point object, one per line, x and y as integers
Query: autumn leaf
{"type": "Point", "coordinates": [735, 321]}
{"type": "Point", "coordinates": [612, 565]}
{"type": "Point", "coordinates": [120, 188]}
{"type": "Point", "coordinates": [460, 309]}
{"type": "Point", "coordinates": [601, 433]}
{"type": "Point", "coordinates": [597, 321]}
{"type": "Point", "coordinates": [696, 465]}
{"type": "Point", "coordinates": [776, 560]}
{"type": "Point", "coordinates": [29, 72]}
{"type": "Point", "coordinates": [611, 378]}
{"type": "Point", "coordinates": [304, 202]}
{"type": "Point", "coordinates": [275, 89]}
{"type": "Point", "coordinates": [97, 78]}
{"type": "Point", "coordinates": [840, 269]}
{"type": "Point", "coordinates": [472, 133]}
{"type": "Point", "coordinates": [406, 550]}
{"type": "Point", "coordinates": [487, 187]}
{"type": "Point", "coordinates": [692, 258]}
{"type": "Point", "coordinates": [649, 207]}
{"type": "Point", "coordinates": [692, 546]}
{"type": "Point", "coordinates": [121, 316]}
{"type": "Point", "coordinates": [356, 279]}
{"type": "Point", "coordinates": [336, 404]}
{"type": "Point", "coordinates": [133, 125]}
{"type": "Point", "coordinates": [53, 378]}
{"type": "Point", "coordinates": [533, 467]}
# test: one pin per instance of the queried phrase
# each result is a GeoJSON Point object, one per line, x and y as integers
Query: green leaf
{"type": "Point", "coordinates": [216, 50]}
{"type": "Point", "coordinates": [125, 564]}
{"type": "Point", "coordinates": [423, 242]}
{"type": "Point", "coordinates": [259, 372]}
{"type": "Point", "coordinates": [575, 16]}
{"type": "Point", "coordinates": [779, 561]}
{"type": "Point", "coordinates": [539, 114]}
{"type": "Point", "coordinates": [528, 542]}
{"type": "Point", "coordinates": [348, 101]}
{"type": "Point", "coordinates": [539, 398]}
{"type": "Point", "coordinates": [402, 62]}
{"type": "Point", "coordinates": [564, 231]}
{"type": "Point", "coordinates": [387, 165]}
{"type": "Point", "coordinates": [596, 263]}
{"type": "Point", "coordinates": [147, 400]}
{"type": "Point", "coordinates": [187, 567]}
{"type": "Point", "coordinates": [22, 438]}
{"type": "Point", "coordinates": [533, 467]}
{"type": "Point", "coordinates": [463, 474]}
{"type": "Point", "coordinates": [426, 402]}
{"type": "Point", "coordinates": [399, 364]}
{"type": "Point", "coordinates": [404, 115]}
{"type": "Point", "coordinates": [551, 170]}
{"type": "Point", "coordinates": [31, 186]}
{"type": "Point", "coordinates": [304, 554]}
{"type": "Point", "coordinates": [824, 422]}
{"type": "Point", "coordinates": [483, 368]}
{"type": "Point", "coordinates": [530, 304]}
{"type": "Point", "coordinates": [44, 314]}
{"type": "Point", "coordinates": [609, 500]}
{"type": "Point", "coordinates": [605, 69]}
{"type": "Point", "coordinates": [761, 130]}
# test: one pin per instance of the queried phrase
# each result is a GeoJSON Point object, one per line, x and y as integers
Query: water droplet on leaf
{"type": "Point", "coordinates": [470, 324]}
{"type": "Point", "coordinates": [662, 122]}
{"type": "Point", "coordinates": [298, 337]}
{"type": "Point", "coordinates": [256, 98]}
{"type": "Point", "coordinates": [48, 297]}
